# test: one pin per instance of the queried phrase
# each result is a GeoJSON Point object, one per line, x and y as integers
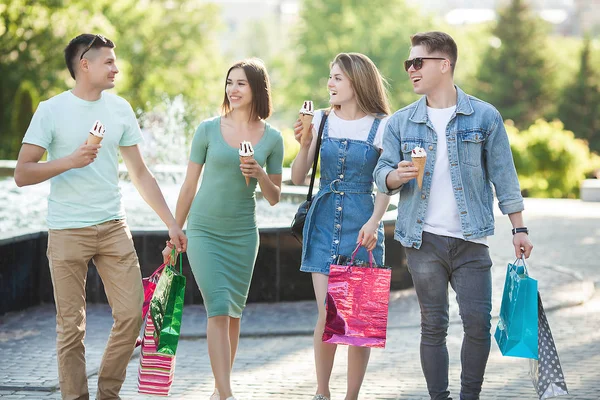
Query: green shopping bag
{"type": "Point", "coordinates": [166, 307]}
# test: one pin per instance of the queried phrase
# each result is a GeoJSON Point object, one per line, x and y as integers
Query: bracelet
{"type": "Point", "coordinates": [169, 244]}
{"type": "Point", "coordinates": [520, 230]}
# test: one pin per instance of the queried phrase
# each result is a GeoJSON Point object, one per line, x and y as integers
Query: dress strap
{"type": "Point", "coordinates": [326, 127]}
{"type": "Point", "coordinates": [373, 131]}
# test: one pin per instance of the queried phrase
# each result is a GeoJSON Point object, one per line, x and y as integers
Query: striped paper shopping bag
{"type": "Point", "coordinates": [156, 370]}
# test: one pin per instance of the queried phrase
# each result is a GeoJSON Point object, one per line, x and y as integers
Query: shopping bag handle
{"type": "Point", "coordinates": [158, 270]}
{"type": "Point", "coordinates": [172, 256]}
{"type": "Point", "coordinates": [522, 260]}
{"type": "Point", "coordinates": [356, 251]}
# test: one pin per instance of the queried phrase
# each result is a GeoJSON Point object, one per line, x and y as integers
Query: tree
{"type": "Point", "coordinates": [579, 107]}
{"type": "Point", "coordinates": [514, 75]}
{"type": "Point", "coordinates": [164, 47]}
{"type": "Point", "coordinates": [23, 106]}
{"type": "Point", "coordinates": [380, 29]}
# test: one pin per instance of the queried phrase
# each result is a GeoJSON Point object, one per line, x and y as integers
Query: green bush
{"type": "Point", "coordinates": [24, 104]}
{"type": "Point", "coordinates": [550, 161]}
{"type": "Point", "coordinates": [291, 146]}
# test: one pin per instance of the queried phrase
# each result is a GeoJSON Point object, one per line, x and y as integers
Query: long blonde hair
{"type": "Point", "coordinates": [366, 80]}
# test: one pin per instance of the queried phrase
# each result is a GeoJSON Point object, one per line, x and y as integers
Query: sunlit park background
{"type": "Point", "coordinates": [535, 60]}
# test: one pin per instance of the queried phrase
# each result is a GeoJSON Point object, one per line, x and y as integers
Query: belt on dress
{"type": "Point", "coordinates": [336, 186]}
{"type": "Point", "coordinates": [339, 186]}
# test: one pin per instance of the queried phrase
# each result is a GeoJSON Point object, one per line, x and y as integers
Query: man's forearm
{"type": "Point", "coordinates": [516, 219]}
{"type": "Point", "coordinates": [151, 193]}
{"type": "Point", "coordinates": [31, 173]}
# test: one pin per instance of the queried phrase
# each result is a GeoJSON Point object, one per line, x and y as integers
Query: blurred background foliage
{"type": "Point", "coordinates": [172, 64]}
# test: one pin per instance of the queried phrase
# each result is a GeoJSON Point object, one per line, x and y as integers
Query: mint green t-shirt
{"type": "Point", "coordinates": [90, 195]}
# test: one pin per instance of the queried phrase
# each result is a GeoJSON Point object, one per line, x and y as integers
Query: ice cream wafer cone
{"type": "Point", "coordinates": [306, 120]}
{"type": "Point", "coordinates": [243, 160]}
{"type": "Point", "coordinates": [93, 139]}
{"type": "Point", "coordinates": [419, 162]}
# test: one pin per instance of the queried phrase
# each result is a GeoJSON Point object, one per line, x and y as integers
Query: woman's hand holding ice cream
{"type": "Point", "coordinates": [248, 165]}
{"type": "Point", "coordinates": [305, 116]}
{"type": "Point", "coordinates": [298, 129]}
{"type": "Point", "coordinates": [251, 169]}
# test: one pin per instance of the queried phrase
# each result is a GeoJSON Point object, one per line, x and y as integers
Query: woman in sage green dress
{"type": "Point", "coordinates": [221, 225]}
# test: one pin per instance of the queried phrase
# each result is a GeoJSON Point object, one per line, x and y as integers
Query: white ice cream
{"type": "Point", "coordinates": [246, 149]}
{"type": "Point", "coordinates": [418, 152]}
{"type": "Point", "coordinates": [97, 129]}
{"type": "Point", "coordinates": [307, 108]}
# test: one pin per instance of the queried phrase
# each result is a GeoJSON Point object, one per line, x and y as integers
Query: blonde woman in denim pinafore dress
{"type": "Point", "coordinates": [345, 211]}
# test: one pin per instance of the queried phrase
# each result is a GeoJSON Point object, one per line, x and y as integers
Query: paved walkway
{"type": "Point", "coordinates": [275, 356]}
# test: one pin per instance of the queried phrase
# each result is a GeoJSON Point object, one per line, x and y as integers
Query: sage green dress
{"type": "Point", "coordinates": [221, 228]}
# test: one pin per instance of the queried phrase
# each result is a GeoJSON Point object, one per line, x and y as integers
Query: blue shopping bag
{"type": "Point", "coordinates": [517, 330]}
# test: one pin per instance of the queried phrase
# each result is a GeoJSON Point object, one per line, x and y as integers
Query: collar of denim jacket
{"type": "Point", "coordinates": [463, 106]}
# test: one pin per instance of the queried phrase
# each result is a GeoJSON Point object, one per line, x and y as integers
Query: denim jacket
{"type": "Point", "coordinates": [479, 155]}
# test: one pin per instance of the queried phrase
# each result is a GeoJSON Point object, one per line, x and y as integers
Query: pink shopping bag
{"type": "Point", "coordinates": [357, 303]}
{"type": "Point", "coordinates": [149, 287]}
{"type": "Point", "coordinates": [156, 370]}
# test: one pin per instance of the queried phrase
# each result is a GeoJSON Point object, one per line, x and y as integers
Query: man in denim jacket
{"type": "Point", "coordinates": [443, 226]}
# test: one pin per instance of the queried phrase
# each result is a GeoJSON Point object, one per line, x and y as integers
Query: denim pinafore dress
{"type": "Point", "coordinates": [344, 203]}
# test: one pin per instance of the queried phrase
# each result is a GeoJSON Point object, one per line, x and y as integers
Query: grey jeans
{"type": "Point", "coordinates": [467, 266]}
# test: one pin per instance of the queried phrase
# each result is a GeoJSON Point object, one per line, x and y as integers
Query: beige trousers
{"type": "Point", "coordinates": [111, 247]}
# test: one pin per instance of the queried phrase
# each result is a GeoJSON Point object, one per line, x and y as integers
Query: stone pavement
{"type": "Point", "coordinates": [275, 356]}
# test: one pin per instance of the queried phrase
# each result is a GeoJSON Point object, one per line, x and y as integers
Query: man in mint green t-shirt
{"type": "Point", "coordinates": [86, 219]}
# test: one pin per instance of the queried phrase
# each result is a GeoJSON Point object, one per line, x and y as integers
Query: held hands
{"type": "Point", "coordinates": [251, 169]}
{"type": "Point", "coordinates": [84, 155]}
{"type": "Point", "coordinates": [522, 245]}
{"type": "Point", "coordinates": [368, 235]}
{"type": "Point", "coordinates": [178, 241]}
{"type": "Point", "coordinates": [166, 253]}
{"type": "Point", "coordinates": [298, 133]}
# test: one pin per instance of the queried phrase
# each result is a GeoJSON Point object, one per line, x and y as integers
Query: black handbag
{"type": "Point", "coordinates": [300, 217]}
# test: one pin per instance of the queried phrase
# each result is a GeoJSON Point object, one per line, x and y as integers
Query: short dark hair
{"type": "Point", "coordinates": [77, 45]}
{"type": "Point", "coordinates": [260, 85]}
{"type": "Point", "coordinates": [437, 42]}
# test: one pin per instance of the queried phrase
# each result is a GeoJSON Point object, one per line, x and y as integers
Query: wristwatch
{"type": "Point", "coordinates": [520, 230]}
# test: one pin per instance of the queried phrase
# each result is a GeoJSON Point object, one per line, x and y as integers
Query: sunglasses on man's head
{"type": "Point", "coordinates": [417, 62]}
{"type": "Point", "coordinates": [89, 46]}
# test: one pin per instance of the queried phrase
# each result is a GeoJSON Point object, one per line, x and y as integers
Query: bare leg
{"type": "Point", "coordinates": [234, 336]}
{"type": "Point", "coordinates": [219, 351]}
{"type": "Point", "coordinates": [358, 358]}
{"type": "Point", "coordinates": [324, 352]}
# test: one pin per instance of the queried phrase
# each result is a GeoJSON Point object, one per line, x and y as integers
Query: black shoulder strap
{"type": "Point", "coordinates": [317, 151]}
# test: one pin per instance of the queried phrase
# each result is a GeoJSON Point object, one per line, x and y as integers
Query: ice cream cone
{"type": "Point", "coordinates": [243, 159]}
{"type": "Point", "coordinates": [419, 162]}
{"type": "Point", "coordinates": [93, 139]}
{"type": "Point", "coordinates": [306, 120]}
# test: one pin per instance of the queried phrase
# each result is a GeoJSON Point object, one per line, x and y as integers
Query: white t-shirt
{"type": "Point", "coordinates": [441, 217]}
{"type": "Point", "coordinates": [357, 129]}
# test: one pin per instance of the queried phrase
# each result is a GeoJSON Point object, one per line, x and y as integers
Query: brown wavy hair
{"type": "Point", "coordinates": [366, 80]}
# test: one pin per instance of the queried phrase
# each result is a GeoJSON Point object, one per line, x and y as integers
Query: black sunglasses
{"type": "Point", "coordinates": [89, 46]}
{"type": "Point", "coordinates": [417, 62]}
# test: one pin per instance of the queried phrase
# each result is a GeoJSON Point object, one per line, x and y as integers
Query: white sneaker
{"type": "Point", "coordinates": [230, 398]}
